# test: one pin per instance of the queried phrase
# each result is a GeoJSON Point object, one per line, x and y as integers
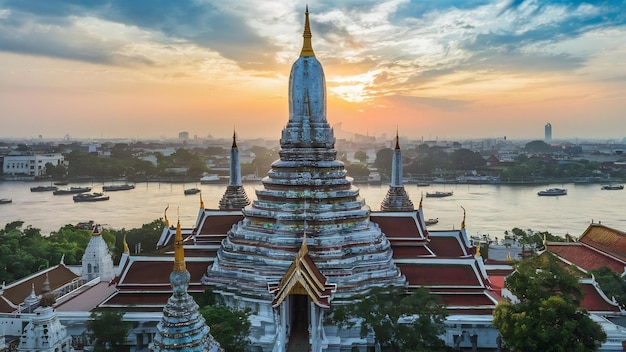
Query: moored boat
{"type": "Point", "coordinates": [112, 188]}
{"type": "Point", "coordinates": [210, 179]}
{"type": "Point", "coordinates": [71, 190]}
{"type": "Point", "coordinates": [192, 191]}
{"type": "Point", "coordinates": [613, 187]}
{"type": "Point", "coordinates": [438, 194]}
{"type": "Point", "coordinates": [431, 221]}
{"type": "Point", "coordinates": [6, 200]}
{"type": "Point", "coordinates": [553, 192]}
{"type": "Point", "coordinates": [44, 188]}
{"type": "Point", "coordinates": [90, 197]}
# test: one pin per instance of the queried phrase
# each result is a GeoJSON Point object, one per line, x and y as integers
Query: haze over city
{"type": "Point", "coordinates": [433, 69]}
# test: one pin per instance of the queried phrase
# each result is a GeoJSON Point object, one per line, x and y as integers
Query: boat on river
{"type": "Point", "coordinates": [44, 189]}
{"type": "Point", "coordinates": [613, 187]}
{"type": "Point", "coordinates": [553, 192]}
{"type": "Point", "coordinates": [438, 194]}
{"type": "Point", "coordinates": [432, 221]}
{"type": "Point", "coordinates": [90, 197]}
{"type": "Point", "coordinates": [210, 179]}
{"type": "Point", "coordinates": [189, 191]}
{"type": "Point", "coordinates": [71, 190]}
{"type": "Point", "coordinates": [112, 188]}
{"type": "Point", "coordinates": [5, 201]}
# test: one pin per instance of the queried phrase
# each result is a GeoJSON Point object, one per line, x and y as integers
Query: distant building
{"type": "Point", "coordinates": [548, 132]}
{"type": "Point", "coordinates": [183, 136]}
{"type": "Point", "coordinates": [29, 164]}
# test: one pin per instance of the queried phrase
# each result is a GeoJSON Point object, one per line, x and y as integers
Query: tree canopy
{"type": "Point", "coordinates": [229, 326]}
{"type": "Point", "coordinates": [108, 330]}
{"type": "Point", "coordinates": [548, 316]}
{"type": "Point", "coordinates": [26, 251]}
{"type": "Point", "coordinates": [400, 321]}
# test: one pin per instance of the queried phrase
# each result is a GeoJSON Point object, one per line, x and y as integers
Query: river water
{"type": "Point", "coordinates": [491, 209]}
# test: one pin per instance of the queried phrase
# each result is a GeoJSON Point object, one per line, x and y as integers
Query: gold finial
{"type": "Point", "coordinates": [126, 249]}
{"type": "Point", "coordinates": [201, 202]}
{"type": "Point", "coordinates": [545, 240]}
{"type": "Point", "coordinates": [234, 139]}
{"type": "Point", "coordinates": [463, 222]}
{"type": "Point", "coordinates": [304, 249]}
{"type": "Point", "coordinates": [478, 249]}
{"type": "Point", "coordinates": [421, 199]}
{"type": "Point", "coordinates": [508, 257]}
{"type": "Point", "coordinates": [167, 222]}
{"type": "Point", "coordinates": [307, 48]}
{"type": "Point", "coordinates": [179, 252]}
{"type": "Point", "coordinates": [397, 140]}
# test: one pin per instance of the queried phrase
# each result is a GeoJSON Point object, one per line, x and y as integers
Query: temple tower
{"type": "Point", "coordinates": [97, 260]}
{"type": "Point", "coordinates": [235, 196]}
{"type": "Point", "coordinates": [182, 327]}
{"type": "Point", "coordinates": [307, 189]}
{"type": "Point", "coordinates": [45, 333]}
{"type": "Point", "coordinates": [396, 198]}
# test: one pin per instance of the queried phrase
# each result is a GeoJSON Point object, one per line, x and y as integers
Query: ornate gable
{"type": "Point", "coordinates": [303, 277]}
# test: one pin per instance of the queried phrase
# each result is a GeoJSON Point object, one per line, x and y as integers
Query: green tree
{"type": "Point", "coordinates": [548, 316]}
{"type": "Point", "coordinates": [357, 170]}
{"type": "Point", "coordinates": [611, 283]}
{"type": "Point", "coordinates": [229, 326]}
{"type": "Point", "coordinates": [383, 161]}
{"type": "Point", "coordinates": [465, 159]}
{"type": "Point", "coordinates": [400, 321]}
{"type": "Point", "coordinates": [360, 156]}
{"type": "Point", "coordinates": [109, 330]}
{"type": "Point", "coordinates": [538, 147]}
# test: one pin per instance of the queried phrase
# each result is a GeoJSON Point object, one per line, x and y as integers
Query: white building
{"type": "Point", "coordinates": [25, 163]}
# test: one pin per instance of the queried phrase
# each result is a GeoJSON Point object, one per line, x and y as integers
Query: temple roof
{"type": "Point", "coordinates": [585, 257]}
{"type": "Point", "coordinates": [303, 277]}
{"type": "Point", "coordinates": [16, 292]}
{"type": "Point", "coordinates": [605, 239]}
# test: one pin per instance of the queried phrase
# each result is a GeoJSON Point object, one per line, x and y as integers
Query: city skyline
{"type": "Point", "coordinates": [447, 69]}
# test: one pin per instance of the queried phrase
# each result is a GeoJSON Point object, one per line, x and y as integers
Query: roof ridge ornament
{"type": "Point", "coordinates": [307, 47]}
{"type": "Point", "coordinates": [179, 254]}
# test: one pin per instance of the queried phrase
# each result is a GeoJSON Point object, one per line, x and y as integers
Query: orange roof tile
{"type": "Point", "coordinates": [605, 239]}
{"type": "Point", "coordinates": [585, 257]}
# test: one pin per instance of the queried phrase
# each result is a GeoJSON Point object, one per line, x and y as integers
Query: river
{"type": "Point", "coordinates": [491, 209]}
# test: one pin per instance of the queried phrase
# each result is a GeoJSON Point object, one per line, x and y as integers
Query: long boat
{"type": "Point", "coordinates": [113, 188]}
{"type": "Point", "coordinates": [71, 190]}
{"type": "Point", "coordinates": [553, 192]}
{"type": "Point", "coordinates": [6, 201]}
{"type": "Point", "coordinates": [44, 188]}
{"type": "Point", "coordinates": [90, 197]}
{"type": "Point", "coordinates": [613, 187]}
{"type": "Point", "coordinates": [189, 191]}
{"type": "Point", "coordinates": [438, 194]}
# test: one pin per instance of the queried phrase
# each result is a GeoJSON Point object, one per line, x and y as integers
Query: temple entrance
{"type": "Point", "coordinates": [299, 337]}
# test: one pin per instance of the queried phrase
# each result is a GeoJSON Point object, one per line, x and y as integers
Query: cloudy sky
{"type": "Point", "coordinates": [435, 69]}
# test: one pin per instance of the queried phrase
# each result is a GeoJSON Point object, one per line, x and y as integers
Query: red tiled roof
{"type": "Point", "coordinates": [157, 272]}
{"type": "Point", "coordinates": [58, 276]}
{"type": "Point", "coordinates": [446, 246]}
{"type": "Point", "coordinates": [605, 239]}
{"type": "Point", "coordinates": [5, 305]}
{"type": "Point", "coordinates": [144, 299]}
{"type": "Point", "coordinates": [454, 275]}
{"type": "Point", "coordinates": [219, 224]}
{"type": "Point", "coordinates": [585, 257]}
{"type": "Point", "coordinates": [397, 226]}
{"type": "Point", "coordinates": [593, 300]}
{"type": "Point", "coordinates": [409, 251]}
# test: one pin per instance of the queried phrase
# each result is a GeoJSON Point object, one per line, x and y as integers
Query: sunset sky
{"type": "Point", "coordinates": [446, 69]}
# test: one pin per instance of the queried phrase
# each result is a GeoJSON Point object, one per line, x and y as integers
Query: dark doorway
{"type": "Point", "coordinates": [299, 337]}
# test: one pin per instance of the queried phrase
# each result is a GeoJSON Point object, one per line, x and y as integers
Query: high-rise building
{"type": "Point", "coordinates": [548, 132]}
